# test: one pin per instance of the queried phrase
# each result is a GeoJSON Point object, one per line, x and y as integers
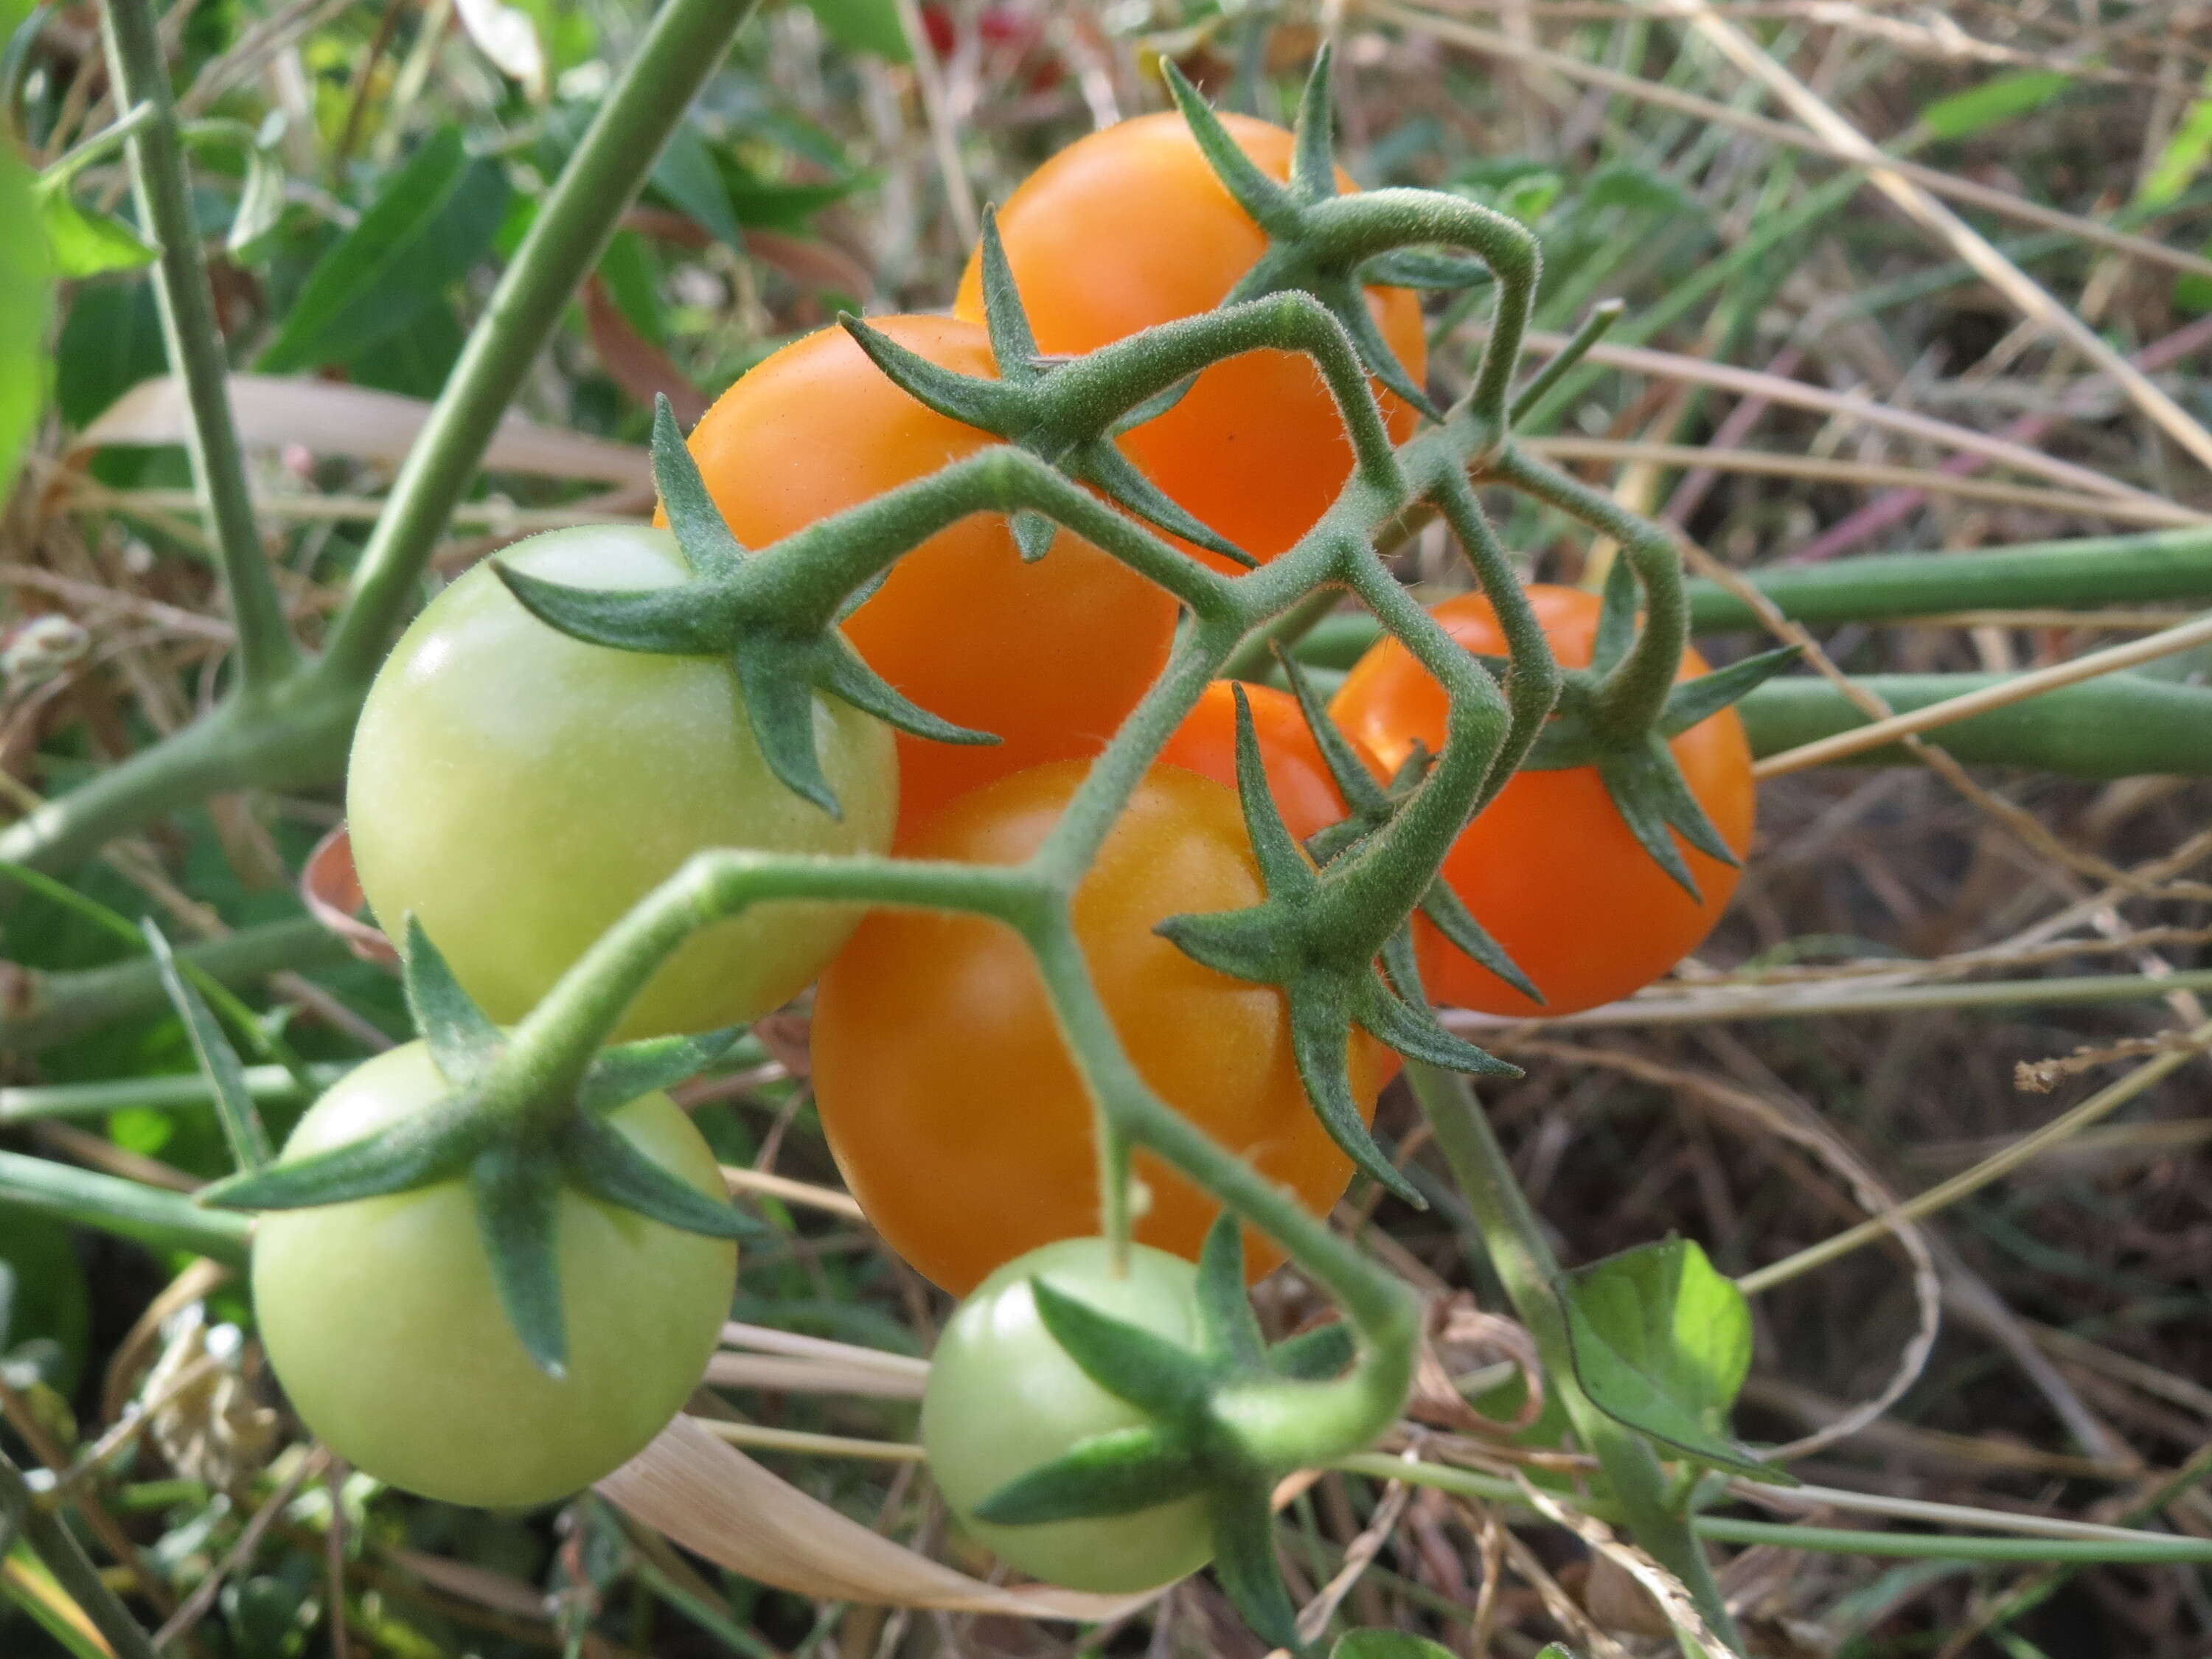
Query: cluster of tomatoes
{"type": "Point", "coordinates": [516, 790]}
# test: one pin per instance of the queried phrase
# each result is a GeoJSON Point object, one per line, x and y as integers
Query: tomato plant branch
{"type": "Point", "coordinates": [185, 302]}
{"type": "Point", "coordinates": [130, 1209]}
{"type": "Point", "coordinates": [1514, 1237]}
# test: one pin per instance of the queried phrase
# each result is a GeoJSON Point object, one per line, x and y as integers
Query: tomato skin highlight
{"type": "Point", "coordinates": [1049, 657]}
{"type": "Point", "coordinates": [383, 1324]}
{"type": "Point", "coordinates": [517, 790]}
{"type": "Point", "coordinates": [1128, 228]}
{"type": "Point", "coordinates": [1298, 777]}
{"type": "Point", "coordinates": [1004, 1398]}
{"type": "Point", "coordinates": [946, 1090]}
{"type": "Point", "coordinates": [1549, 868]}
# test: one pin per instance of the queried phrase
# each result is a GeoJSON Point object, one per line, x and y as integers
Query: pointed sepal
{"type": "Point", "coordinates": [1451, 918]}
{"type": "Point", "coordinates": [1413, 267]}
{"type": "Point", "coordinates": [463, 1042]}
{"type": "Point", "coordinates": [846, 674]}
{"type": "Point", "coordinates": [1034, 534]}
{"type": "Point", "coordinates": [1314, 1356]}
{"type": "Point", "coordinates": [1228, 1330]}
{"type": "Point", "coordinates": [1616, 619]}
{"type": "Point", "coordinates": [992, 406]}
{"type": "Point", "coordinates": [518, 1204]}
{"type": "Point", "coordinates": [1013, 344]}
{"type": "Point", "coordinates": [1118, 1472]}
{"type": "Point", "coordinates": [1347, 302]}
{"type": "Point", "coordinates": [1244, 1561]}
{"type": "Point", "coordinates": [1413, 1032]}
{"type": "Point", "coordinates": [1272, 206]}
{"type": "Point", "coordinates": [1350, 775]}
{"type": "Point", "coordinates": [431, 1146]}
{"type": "Point", "coordinates": [218, 1061]}
{"type": "Point", "coordinates": [599, 1160]}
{"type": "Point", "coordinates": [1313, 142]}
{"type": "Point", "coordinates": [1320, 1043]}
{"type": "Point", "coordinates": [779, 704]}
{"type": "Point", "coordinates": [1111, 473]}
{"type": "Point", "coordinates": [619, 1075]}
{"type": "Point", "coordinates": [702, 534]}
{"type": "Point", "coordinates": [662, 621]}
{"type": "Point", "coordinates": [1130, 1363]}
{"type": "Point", "coordinates": [1694, 701]}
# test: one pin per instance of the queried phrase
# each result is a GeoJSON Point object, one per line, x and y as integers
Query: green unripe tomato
{"type": "Point", "coordinates": [1004, 1398]}
{"type": "Point", "coordinates": [383, 1324]}
{"type": "Point", "coordinates": [517, 790]}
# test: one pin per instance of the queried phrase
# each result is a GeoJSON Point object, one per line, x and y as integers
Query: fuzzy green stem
{"type": "Point", "coordinates": [54, 1543]}
{"type": "Point", "coordinates": [685, 44]}
{"type": "Point", "coordinates": [1514, 1238]}
{"type": "Point", "coordinates": [185, 302]}
{"type": "Point", "coordinates": [165, 1220]}
{"type": "Point", "coordinates": [25, 1103]}
{"type": "Point", "coordinates": [55, 1007]}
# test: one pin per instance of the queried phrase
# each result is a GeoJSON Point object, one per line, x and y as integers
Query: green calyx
{"type": "Point", "coordinates": [1331, 247]}
{"type": "Point", "coordinates": [1618, 715]}
{"type": "Point", "coordinates": [517, 1138]}
{"type": "Point", "coordinates": [1217, 1412]}
{"type": "Point", "coordinates": [1324, 934]}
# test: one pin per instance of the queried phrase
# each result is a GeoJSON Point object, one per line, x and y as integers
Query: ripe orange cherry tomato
{"type": "Point", "coordinates": [1049, 656]}
{"type": "Point", "coordinates": [1128, 228]}
{"type": "Point", "coordinates": [1297, 776]}
{"type": "Point", "coordinates": [1549, 868]}
{"type": "Point", "coordinates": [944, 1085]}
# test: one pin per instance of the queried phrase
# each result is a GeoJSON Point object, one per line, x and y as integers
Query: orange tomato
{"type": "Point", "coordinates": [1128, 228]}
{"type": "Point", "coordinates": [944, 1087]}
{"type": "Point", "coordinates": [1549, 868]}
{"type": "Point", "coordinates": [1297, 776]}
{"type": "Point", "coordinates": [1050, 656]}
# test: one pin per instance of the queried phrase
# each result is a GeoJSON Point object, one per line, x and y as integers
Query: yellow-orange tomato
{"type": "Point", "coordinates": [1129, 227]}
{"type": "Point", "coordinates": [1298, 777]}
{"type": "Point", "coordinates": [1049, 656]}
{"type": "Point", "coordinates": [944, 1087]}
{"type": "Point", "coordinates": [1549, 868]}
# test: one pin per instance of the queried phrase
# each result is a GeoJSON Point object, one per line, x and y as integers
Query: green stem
{"type": "Point", "coordinates": [54, 1543]}
{"type": "Point", "coordinates": [129, 1209]}
{"type": "Point", "coordinates": [1254, 659]}
{"type": "Point", "coordinates": [2116, 727]}
{"type": "Point", "coordinates": [59, 1006]}
{"type": "Point", "coordinates": [1514, 1238]}
{"type": "Point", "coordinates": [2084, 574]}
{"type": "Point", "coordinates": [194, 342]}
{"type": "Point", "coordinates": [2143, 1549]}
{"type": "Point", "coordinates": [270, 1084]}
{"type": "Point", "coordinates": [686, 44]}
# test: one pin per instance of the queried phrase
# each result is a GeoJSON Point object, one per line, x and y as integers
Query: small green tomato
{"type": "Point", "coordinates": [1004, 1398]}
{"type": "Point", "coordinates": [384, 1324]}
{"type": "Point", "coordinates": [518, 790]}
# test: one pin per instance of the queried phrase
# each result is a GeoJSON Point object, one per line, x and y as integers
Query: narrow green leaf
{"type": "Point", "coordinates": [2185, 157]}
{"type": "Point", "coordinates": [1127, 1361]}
{"type": "Point", "coordinates": [2001, 98]}
{"type": "Point", "coordinates": [865, 26]}
{"type": "Point", "coordinates": [88, 243]}
{"type": "Point", "coordinates": [602, 1161]}
{"type": "Point", "coordinates": [26, 297]}
{"type": "Point", "coordinates": [261, 199]}
{"type": "Point", "coordinates": [218, 1060]}
{"type": "Point", "coordinates": [518, 1201]}
{"type": "Point", "coordinates": [688, 178]}
{"type": "Point", "coordinates": [1662, 1342]}
{"type": "Point", "coordinates": [1117, 1473]}
{"type": "Point", "coordinates": [463, 1042]}
{"type": "Point", "coordinates": [1700, 699]}
{"type": "Point", "coordinates": [431, 222]}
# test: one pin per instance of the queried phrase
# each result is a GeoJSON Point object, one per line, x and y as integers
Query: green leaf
{"type": "Point", "coordinates": [261, 199]}
{"type": "Point", "coordinates": [2185, 155]}
{"type": "Point", "coordinates": [864, 26]}
{"type": "Point", "coordinates": [25, 294]}
{"type": "Point", "coordinates": [86, 243]}
{"type": "Point", "coordinates": [433, 220]}
{"type": "Point", "coordinates": [1386, 1644]}
{"type": "Point", "coordinates": [2002, 98]}
{"type": "Point", "coordinates": [1662, 1342]}
{"type": "Point", "coordinates": [687, 177]}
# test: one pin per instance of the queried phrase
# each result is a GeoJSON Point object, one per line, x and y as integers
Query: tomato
{"type": "Point", "coordinates": [944, 1085]}
{"type": "Point", "coordinates": [1048, 656]}
{"type": "Point", "coordinates": [1298, 778]}
{"type": "Point", "coordinates": [1549, 868]}
{"type": "Point", "coordinates": [1128, 228]}
{"type": "Point", "coordinates": [517, 790]}
{"type": "Point", "coordinates": [386, 1329]}
{"type": "Point", "coordinates": [1004, 1398]}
